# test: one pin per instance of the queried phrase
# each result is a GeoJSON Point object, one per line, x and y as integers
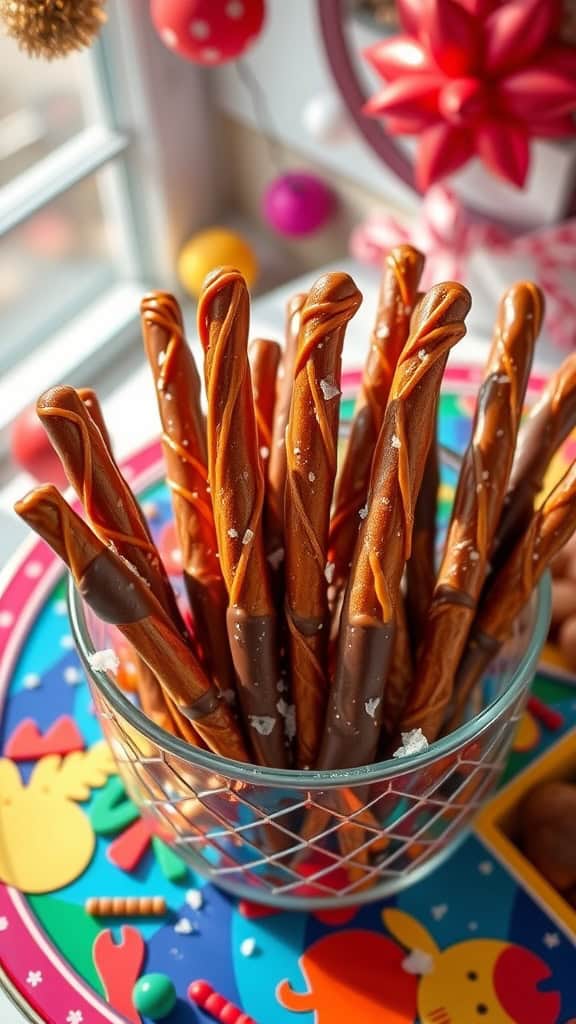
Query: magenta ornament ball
{"type": "Point", "coordinates": [298, 204]}
{"type": "Point", "coordinates": [208, 32]}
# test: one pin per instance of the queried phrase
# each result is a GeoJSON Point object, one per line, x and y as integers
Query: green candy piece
{"type": "Point", "coordinates": [112, 810]}
{"type": "Point", "coordinates": [154, 996]}
{"type": "Point", "coordinates": [171, 865]}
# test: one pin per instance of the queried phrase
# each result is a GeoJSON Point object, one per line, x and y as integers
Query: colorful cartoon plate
{"type": "Point", "coordinates": [473, 942]}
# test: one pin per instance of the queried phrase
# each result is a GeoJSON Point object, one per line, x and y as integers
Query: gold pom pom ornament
{"type": "Point", "coordinates": [52, 28]}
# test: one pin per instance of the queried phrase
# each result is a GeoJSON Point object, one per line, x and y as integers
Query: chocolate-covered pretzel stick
{"type": "Point", "coordinates": [185, 455]}
{"type": "Point", "coordinates": [311, 439]}
{"type": "Point", "coordinates": [366, 637]}
{"type": "Point", "coordinates": [264, 356]}
{"type": "Point", "coordinates": [92, 403]}
{"type": "Point", "coordinates": [477, 506]}
{"type": "Point", "coordinates": [547, 426]}
{"type": "Point", "coordinates": [401, 272]}
{"type": "Point", "coordinates": [277, 463]}
{"type": "Point", "coordinates": [237, 487]}
{"type": "Point", "coordinates": [120, 596]}
{"type": "Point", "coordinates": [109, 503]}
{"type": "Point", "coordinates": [511, 587]}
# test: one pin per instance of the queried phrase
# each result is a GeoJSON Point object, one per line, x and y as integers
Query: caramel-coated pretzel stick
{"type": "Point", "coordinates": [186, 458]}
{"type": "Point", "coordinates": [366, 637]}
{"type": "Point", "coordinates": [401, 272]}
{"type": "Point", "coordinates": [546, 427]}
{"type": "Point", "coordinates": [264, 356]}
{"type": "Point", "coordinates": [75, 417]}
{"type": "Point", "coordinates": [119, 596]}
{"type": "Point", "coordinates": [108, 501]}
{"type": "Point", "coordinates": [237, 487]}
{"type": "Point", "coordinates": [512, 586]}
{"type": "Point", "coordinates": [311, 440]}
{"type": "Point", "coordinates": [477, 505]}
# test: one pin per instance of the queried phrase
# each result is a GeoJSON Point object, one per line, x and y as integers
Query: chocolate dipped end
{"type": "Point", "coordinates": [354, 713]}
{"type": "Point", "coordinates": [252, 643]}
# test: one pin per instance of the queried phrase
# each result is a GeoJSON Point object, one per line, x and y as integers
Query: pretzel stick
{"type": "Point", "coordinates": [185, 455]}
{"type": "Point", "coordinates": [264, 357]}
{"type": "Point", "coordinates": [476, 510]}
{"type": "Point", "coordinates": [118, 595]}
{"type": "Point", "coordinates": [71, 423]}
{"type": "Point", "coordinates": [401, 272]}
{"type": "Point", "coordinates": [547, 426]}
{"type": "Point", "coordinates": [110, 505]}
{"type": "Point", "coordinates": [366, 638]}
{"type": "Point", "coordinates": [92, 403]}
{"type": "Point", "coordinates": [277, 463]}
{"type": "Point", "coordinates": [237, 487]}
{"type": "Point", "coordinates": [311, 439]}
{"type": "Point", "coordinates": [512, 586]}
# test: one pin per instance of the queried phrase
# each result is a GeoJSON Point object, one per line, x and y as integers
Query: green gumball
{"type": "Point", "coordinates": [154, 996]}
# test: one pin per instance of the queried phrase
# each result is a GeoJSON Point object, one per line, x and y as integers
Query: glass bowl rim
{"type": "Point", "coordinates": [380, 771]}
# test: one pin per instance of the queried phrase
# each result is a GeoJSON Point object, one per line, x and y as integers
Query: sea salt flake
{"type": "Point", "coordinates": [396, 442]}
{"type": "Point", "coordinates": [385, 500]}
{"type": "Point", "coordinates": [413, 742]}
{"type": "Point", "coordinates": [297, 451]}
{"type": "Point", "coordinates": [290, 721]}
{"type": "Point", "coordinates": [104, 661]}
{"type": "Point", "coordinates": [248, 536]}
{"type": "Point", "coordinates": [363, 512]}
{"type": "Point", "coordinates": [371, 705]}
{"type": "Point", "coordinates": [474, 556]}
{"type": "Point", "coordinates": [262, 724]}
{"type": "Point", "coordinates": [232, 533]}
{"type": "Point", "coordinates": [422, 354]}
{"type": "Point", "coordinates": [311, 476]}
{"type": "Point", "coordinates": [275, 558]}
{"type": "Point", "coordinates": [195, 899]}
{"type": "Point", "coordinates": [184, 927]}
{"type": "Point", "coordinates": [264, 452]}
{"type": "Point", "coordinates": [329, 390]}
{"type": "Point", "coordinates": [383, 331]}
{"type": "Point", "coordinates": [161, 358]}
{"type": "Point", "coordinates": [329, 570]}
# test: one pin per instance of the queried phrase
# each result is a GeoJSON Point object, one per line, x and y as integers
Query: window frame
{"type": "Point", "coordinates": [165, 184]}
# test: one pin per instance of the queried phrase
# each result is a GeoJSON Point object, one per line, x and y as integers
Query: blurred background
{"type": "Point", "coordinates": [115, 159]}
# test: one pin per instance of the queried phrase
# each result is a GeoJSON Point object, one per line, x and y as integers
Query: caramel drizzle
{"type": "Point", "coordinates": [322, 319]}
{"type": "Point", "coordinates": [116, 536]}
{"type": "Point", "coordinates": [161, 310]}
{"type": "Point", "coordinates": [235, 555]}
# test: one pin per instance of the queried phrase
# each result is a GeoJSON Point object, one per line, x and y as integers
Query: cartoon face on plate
{"type": "Point", "coordinates": [358, 975]}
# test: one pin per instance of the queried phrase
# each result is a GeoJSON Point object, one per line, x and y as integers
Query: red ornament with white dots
{"type": "Point", "coordinates": [208, 32]}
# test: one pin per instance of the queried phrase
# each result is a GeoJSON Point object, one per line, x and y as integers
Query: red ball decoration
{"type": "Point", "coordinates": [208, 31]}
{"type": "Point", "coordinates": [31, 450]}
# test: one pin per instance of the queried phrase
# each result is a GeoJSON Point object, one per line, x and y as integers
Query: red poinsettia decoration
{"type": "Point", "coordinates": [476, 77]}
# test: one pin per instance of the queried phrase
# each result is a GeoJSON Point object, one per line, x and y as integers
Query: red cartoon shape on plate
{"type": "Point", "coordinates": [353, 976]}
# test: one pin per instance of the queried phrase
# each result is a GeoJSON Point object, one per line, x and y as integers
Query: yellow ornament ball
{"type": "Point", "coordinates": [212, 248]}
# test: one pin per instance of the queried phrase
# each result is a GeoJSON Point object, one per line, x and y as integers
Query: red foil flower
{"type": "Point", "coordinates": [475, 77]}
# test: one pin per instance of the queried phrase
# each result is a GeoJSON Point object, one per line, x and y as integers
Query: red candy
{"type": "Point", "coordinates": [201, 993]}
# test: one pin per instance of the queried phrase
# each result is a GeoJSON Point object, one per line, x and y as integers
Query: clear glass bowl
{"type": "Point", "coordinates": [302, 840]}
